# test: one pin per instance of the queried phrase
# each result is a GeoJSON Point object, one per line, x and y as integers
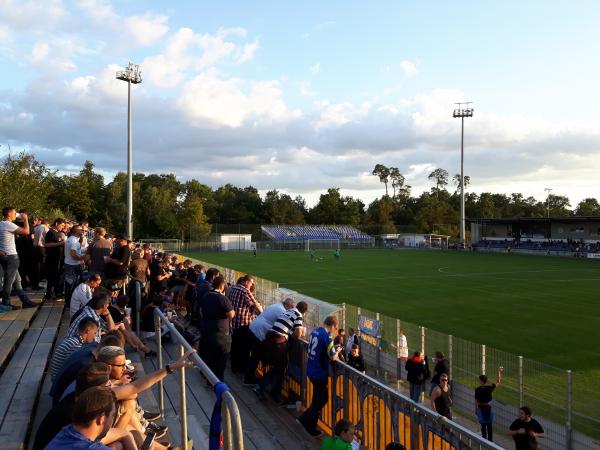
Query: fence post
{"type": "Point", "coordinates": [398, 355]}
{"type": "Point", "coordinates": [378, 354]}
{"type": "Point", "coordinates": [483, 359]}
{"type": "Point", "coordinates": [344, 316]}
{"type": "Point", "coordinates": [183, 402]}
{"type": "Point", "coordinates": [158, 331]}
{"type": "Point", "coordinates": [521, 395]}
{"type": "Point", "coordinates": [569, 424]}
{"type": "Point", "coordinates": [357, 331]}
{"type": "Point", "coordinates": [450, 348]}
{"type": "Point", "coordinates": [423, 339]}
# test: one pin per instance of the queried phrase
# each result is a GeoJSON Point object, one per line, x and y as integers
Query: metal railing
{"type": "Point", "coordinates": [233, 437]}
{"type": "Point", "coordinates": [381, 414]}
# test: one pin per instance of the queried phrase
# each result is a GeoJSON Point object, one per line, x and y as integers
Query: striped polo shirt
{"type": "Point", "coordinates": [287, 322]}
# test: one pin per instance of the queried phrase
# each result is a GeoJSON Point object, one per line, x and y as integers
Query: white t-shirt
{"type": "Point", "coordinates": [7, 237]}
{"type": "Point", "coordinates": [81, 295]}
{"type": "Point", "coordinates": [72, 244]}
{"type": "Point", "coordinates": [403, 347]}
{"type": "Point", "coordinates": [264, 321]}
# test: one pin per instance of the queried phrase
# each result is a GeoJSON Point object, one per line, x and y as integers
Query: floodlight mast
{"type": "Point", "coordinates": [548, 190]}
{"type": "Point", "coordinates": [462, 110]}
{"type": "Point", "coordinates": [131, 74]}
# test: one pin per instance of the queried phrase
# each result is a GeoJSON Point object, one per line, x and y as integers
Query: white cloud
{"type": "Point", "coordinates": [248, 52]}
{"type": "Point", "coordinates": [336, 114]}
{"type": "Point", "coordinates": [315, 68]}
{"type": "Point", "coordinates": [146, 29]}
{"type": "Point", "coordinates": [39, 52]}
{"type": "Point", "coordinates": [409, 68]}
{"type": "Point", "coordinates": [210, 101]}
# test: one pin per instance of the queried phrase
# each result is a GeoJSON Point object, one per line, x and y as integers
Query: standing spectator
{"type": "Point", "coordinates": [483, 404]}
{"type": "Point", "coordinates": [215, 342]}
{"type": "Point", "coordinates": [83, 293]}
{"type": "Point", "coordinates": [73, 261]}
{"type": "Point", "coordinates": [203, 287]}
{"type": "Point", "coordinates": [276, 348]}
{"type": "Point", "coordinates": [246, 309]}
{"type": "Point", "coordinates": [39, 252]}
{"type": "Point", "coordinates": [98, 250]}
{"type": "Point", "coordinates": [352, 338]}
{"type": "Point", "coordinates": [355, 359]}
{"type": "Point", "coordinates": [525, 430]}
{"type": "Point", "coordinates": [416, 374]}
{"type": "Point", "coordinates": [139, 268]}
{"type": "Point", "coordinates": [442, 365]}
{"type": "Point", "coordinates": [53, 244]}
{"type": "Point", "coordinates": [117, 263]}
{"type": "Point", "coordinates": [340, 340]}
{"type": "Point", "coordinates": [321, 351]}
{"type": "Point", "coordinates": [9, 260]}
{"type": "Point", "coordinates": [258, 333]}
{"type": "Point", "coordinates": [441, 401]}
{"type": "Point", "coordinates": [24, 245]}
{"type": "Point", "coordinates": [403, 349]}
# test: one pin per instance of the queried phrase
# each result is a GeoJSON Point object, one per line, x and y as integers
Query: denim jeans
{"type": "Point", "coordinates": [10, 268]}
{"type": "Point", "coordinates": [415, 391]}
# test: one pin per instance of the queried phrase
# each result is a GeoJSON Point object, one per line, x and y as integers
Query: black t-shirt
{"type": "Point", "coordinates": [114, 271]}
{"type": "Point", "coordinates": [441, 366]}
{"type": "Point", "coordinates": [215, 307]}
{"type": "Point", "coordinates": [483, 394]}
{"type": "Point", "coordinates": [53, 253]}
{"type": "Point", "coordinates": [357, 362]}
{"type": "Point", "coordinates": [526, 441]}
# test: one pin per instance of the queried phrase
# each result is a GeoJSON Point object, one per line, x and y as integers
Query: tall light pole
{"type": "Point", "coordinates": [131, 74]}
{"type": "Point", "coordinates": [548, 190]}
{"type": "Point", "coordinates": [462, 110]}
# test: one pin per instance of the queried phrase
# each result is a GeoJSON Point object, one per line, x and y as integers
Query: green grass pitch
{"type": "Point", "coordinates": [544, 308]}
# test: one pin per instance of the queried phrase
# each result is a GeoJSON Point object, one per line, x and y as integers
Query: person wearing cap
{"type": "Point", "coordinates": [117, 264]}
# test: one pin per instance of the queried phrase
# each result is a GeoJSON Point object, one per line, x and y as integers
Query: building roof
{"type": "Point", "coordinates": [561, 219]}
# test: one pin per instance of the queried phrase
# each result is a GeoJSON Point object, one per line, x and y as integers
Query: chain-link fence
{"type": "Point", "coordinates": [565, 403]}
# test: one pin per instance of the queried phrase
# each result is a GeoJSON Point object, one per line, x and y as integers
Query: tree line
{"type": "Point", "coordinates": [165, 207]}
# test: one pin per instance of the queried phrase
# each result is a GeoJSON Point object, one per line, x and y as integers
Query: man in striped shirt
{"type": "Point", "coordinates": [276, 349]}
{"type": "Point", "coordinates": [246, 308]}
{"type": "Point", "coordinates": [86, 330]}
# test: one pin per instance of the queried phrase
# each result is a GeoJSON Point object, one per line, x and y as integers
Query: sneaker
{"type": "Point", "coordinates": [29, 304]}
{"type": "Point", "coordinates": [151, 416]}
{"type": "Point", "coordinates": [160, 430]}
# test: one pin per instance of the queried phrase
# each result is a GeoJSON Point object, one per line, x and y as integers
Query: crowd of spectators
{"type": "Point", "coordinates": [577, 247]}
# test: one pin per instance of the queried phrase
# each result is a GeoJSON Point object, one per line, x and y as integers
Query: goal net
{"type": "Point", "coordinates": [321, 244]}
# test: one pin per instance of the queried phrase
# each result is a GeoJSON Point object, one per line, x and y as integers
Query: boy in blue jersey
{"type": "Point", "coordinates": [320, 351]}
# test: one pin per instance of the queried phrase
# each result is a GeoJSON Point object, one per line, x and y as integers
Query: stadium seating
{"type": "Point", "coordinates": [303, 232]}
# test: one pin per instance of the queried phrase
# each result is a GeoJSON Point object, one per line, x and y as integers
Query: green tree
{"type": "Point", "coordinates": [399, 186]}
{"type": "Point", "coordinates": [281, 209]}
{"type": "Point", "coordinates": [456, 181]}
{"type": "Point", "coordinates": [440, 178]}
{"type": "Point", "coordinates": [559, 205]}
{"type": "Point", "coordinates": [588, 207]}
{"type": "Point", "coordinates": [378, 218]}
{"type": "Point", "coordinates": [383, 173]}
{"type": "Point", "coordinates": [190, 214]}
{"type": "Point", "coordinates": [25, 183]}
{"type": "Point", "coordinates": [334, 209]}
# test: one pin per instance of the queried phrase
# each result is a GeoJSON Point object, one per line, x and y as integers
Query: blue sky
{"type": "Point", "coordinates": [302, 96]}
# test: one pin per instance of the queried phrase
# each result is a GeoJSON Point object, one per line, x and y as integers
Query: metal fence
{"type": "Point", "coordinates": [565, 403]}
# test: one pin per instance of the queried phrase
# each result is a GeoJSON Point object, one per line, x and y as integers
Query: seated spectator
{"type": "Point", "coordinates": [93, 413]}
{"type": "Point", "coordinates": [97, 309]}
{"type": "Point", "coordinates": [117, 311]}
{"type": "Point", "coordinates": [86, 334]}
{"type": "Point", "coordinates": [83, 293]}
{"type": "Point", "coordinates": [343, 435]}
{"type": "Point", "coordinates": [85, 355]}
{"type": "Point", "coordinates": [355, 359]}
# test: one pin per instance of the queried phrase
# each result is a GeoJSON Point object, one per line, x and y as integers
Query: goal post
{"type": "Point", "coordinates": [321, 244]}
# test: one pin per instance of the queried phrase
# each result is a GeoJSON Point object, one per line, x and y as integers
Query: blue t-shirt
{"type": "Point", "coordinates": [70, 438]}
{"type": "Point", "coordinates": [320, 347]}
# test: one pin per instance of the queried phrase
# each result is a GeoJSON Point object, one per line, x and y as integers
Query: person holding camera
{"type": "Point", "coordinates": [9, 259]}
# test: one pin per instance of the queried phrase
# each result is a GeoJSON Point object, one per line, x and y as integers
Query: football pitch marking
{"type": "Point", "coordinates": [441, 271]}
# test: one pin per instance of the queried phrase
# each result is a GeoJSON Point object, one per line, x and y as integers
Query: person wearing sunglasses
{"type": "Point", "coordinates": [441, 401]}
